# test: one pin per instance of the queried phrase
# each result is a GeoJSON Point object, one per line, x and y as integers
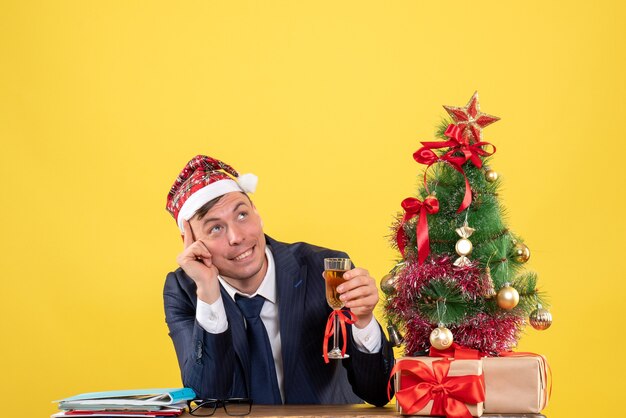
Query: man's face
{"type": "Point", "coordinates": [233, 234]}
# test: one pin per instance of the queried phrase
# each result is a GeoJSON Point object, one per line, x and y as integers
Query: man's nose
{"type": "Point", "coordinates": [235, 235]}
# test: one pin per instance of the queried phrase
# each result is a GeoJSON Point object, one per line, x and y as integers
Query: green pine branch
{"type": "Point", "coordinates": [443, 301]}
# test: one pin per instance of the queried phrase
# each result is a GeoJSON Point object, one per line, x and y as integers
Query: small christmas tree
{"type": "Point", "coordinates": [460, 276]}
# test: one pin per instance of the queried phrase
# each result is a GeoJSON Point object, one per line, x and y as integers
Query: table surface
{"type": "Point", "coordinates": [336, 411]}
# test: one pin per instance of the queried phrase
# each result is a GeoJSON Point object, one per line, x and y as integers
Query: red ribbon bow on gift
{"type": "Point", "coordinates": [457, 352]}
{"type": "Point", "coordinates": [457, 143]}
{"type": "Point", "coordinates": [330, 329]}
{"type": "Point", "coordinates": [412, 208]}
{"type": "Point", "coordinates": [448, 393]}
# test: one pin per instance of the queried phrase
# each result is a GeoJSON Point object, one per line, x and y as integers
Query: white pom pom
{"type": "Point", "coordinates": [248, 182]}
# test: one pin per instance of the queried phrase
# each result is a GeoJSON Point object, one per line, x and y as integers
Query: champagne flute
{"type": "Point", "coordinates": [334, 268]}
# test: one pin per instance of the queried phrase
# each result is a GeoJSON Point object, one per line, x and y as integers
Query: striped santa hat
{"type": "Point", "coordinates": [202, 180]}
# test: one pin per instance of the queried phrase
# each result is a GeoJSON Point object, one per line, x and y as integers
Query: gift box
{"type": "Point", "coordinates": [515, 383]}
{"type": "Point", "coordinates": [436, 386]}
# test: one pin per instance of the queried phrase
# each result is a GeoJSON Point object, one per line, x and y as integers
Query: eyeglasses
{"type": "Point", "coordinates": [232, 406]}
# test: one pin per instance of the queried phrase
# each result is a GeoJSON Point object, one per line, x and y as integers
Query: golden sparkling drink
{"type": "Point", "coordinates": [333, 279]}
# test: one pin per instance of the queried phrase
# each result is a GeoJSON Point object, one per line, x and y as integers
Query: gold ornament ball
{"type": "Point", "coordinates": [521, 252]}
{"type": "Point", "coordinates": [491, 175]}
{"type": "Point", "coordinates": [507, 298]}
{"type": "Point", "coordinates": [441, 338]}
{"type": "Point", "coordinates": [464, 247]}
{"type": "Point", "coordinates": [540, 319]}
{"type": "Point", "coordinates": [388, 284]}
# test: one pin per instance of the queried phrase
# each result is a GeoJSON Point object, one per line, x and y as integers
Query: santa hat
{"type": "Point", "coordinates": [202, 180]}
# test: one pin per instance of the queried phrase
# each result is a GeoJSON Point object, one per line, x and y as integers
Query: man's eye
{"type": "Point", "coordinates": [242, 215]}
{"type": "Point", "coordinates": [215, 229]}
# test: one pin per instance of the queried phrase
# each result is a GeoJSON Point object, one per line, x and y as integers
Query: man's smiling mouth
{"type": "Point", "coordinates": [244, 255]}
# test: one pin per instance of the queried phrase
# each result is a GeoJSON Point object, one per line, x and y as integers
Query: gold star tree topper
{"type": "Point", "coordinates": [470, 119]}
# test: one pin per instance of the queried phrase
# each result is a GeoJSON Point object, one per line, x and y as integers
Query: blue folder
{"type": "Point", "coordinates": [166, 396]}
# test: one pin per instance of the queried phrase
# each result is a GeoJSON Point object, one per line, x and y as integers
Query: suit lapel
{"type": "Point", "coordinates": [291, 286]}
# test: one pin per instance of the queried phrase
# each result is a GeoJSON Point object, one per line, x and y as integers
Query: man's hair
{"type": "Point", "coordinates": [204, 209]}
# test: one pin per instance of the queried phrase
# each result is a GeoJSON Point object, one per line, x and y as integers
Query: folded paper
{"type": "Point", "coordinates": [515, 383]}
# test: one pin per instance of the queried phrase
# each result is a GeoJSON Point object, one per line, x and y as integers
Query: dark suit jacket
{"type": "Point", "coordinates": [217, 365]}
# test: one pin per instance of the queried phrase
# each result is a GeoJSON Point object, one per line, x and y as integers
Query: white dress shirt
{"type": "Point", "coordinates": [212, 317]}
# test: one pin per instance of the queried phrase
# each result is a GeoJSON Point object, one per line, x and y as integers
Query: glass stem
{"type": "Point", "coordinates": [336, 335]}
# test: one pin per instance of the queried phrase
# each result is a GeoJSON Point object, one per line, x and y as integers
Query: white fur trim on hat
{"type": "Point", "coordinates": [206, 194]}
{"type": "Point", "coordinates": [245, 183]}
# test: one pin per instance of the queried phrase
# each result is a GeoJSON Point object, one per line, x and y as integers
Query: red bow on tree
{"type": "Point", "coordinates": [458, 144]}
{"type": "Point", "coordinates": [448, 393]}
{"type": "Point", "coordinates": [414, 207]}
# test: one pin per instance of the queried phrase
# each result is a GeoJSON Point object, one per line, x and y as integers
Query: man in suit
{"type": "Point", "coordinates": [274, 354]}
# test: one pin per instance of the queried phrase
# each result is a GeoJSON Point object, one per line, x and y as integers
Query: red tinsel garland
{"type": "Point", "coordinates": [414, 277]}
{"type": "Point", "coordinates": [486, 333]}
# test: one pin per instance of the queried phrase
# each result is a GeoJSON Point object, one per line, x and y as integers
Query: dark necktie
{"type": "Point", "coordinates": [264, 385]}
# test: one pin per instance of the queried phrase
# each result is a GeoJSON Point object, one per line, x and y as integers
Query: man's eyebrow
{"type": "Point", "coordinates": [239, 204]}
{"type": "Point", "coordinates": [207, 220]}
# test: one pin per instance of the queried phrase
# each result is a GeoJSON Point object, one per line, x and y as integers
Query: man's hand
{"type": "Point", "coordinates": [360, 294]}
{"type": "Point", "coordinates": [195, 260]}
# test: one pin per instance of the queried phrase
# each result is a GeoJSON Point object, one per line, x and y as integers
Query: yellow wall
{"type": "Point", "coordinates": [103, 102]}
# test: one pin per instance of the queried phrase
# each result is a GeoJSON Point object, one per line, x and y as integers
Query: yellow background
{"type": "Point", "coordinates": [103, 102]}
